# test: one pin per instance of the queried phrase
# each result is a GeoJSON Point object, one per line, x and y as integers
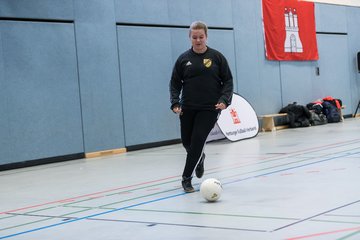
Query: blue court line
{"type": "Point", "coordinates": [90, 216]}
{"type": "Point", "coordinates": [290, 168]}
{"type": "Point", "coordinates": [168, 197]}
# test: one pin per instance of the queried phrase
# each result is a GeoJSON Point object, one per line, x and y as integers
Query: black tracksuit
{"type": "Point", "coordinates": [198, 83]}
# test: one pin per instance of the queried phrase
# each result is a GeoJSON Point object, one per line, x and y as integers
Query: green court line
{"type": "Point", "coordinates": [80, 207]}
{"type": "Point", "coordinates": [211, 214]}
{"type": "Point", "coordinates": [333, 221]}
{"type": "Point", "coordinates": [349, 235]}
{"type": "Point", "coordinates": [220, 170]}
{"type": "Point", "coordinates": [117, 193]}
{"type": "Point", "coordinates": [125, 200]}
{"type": "Point", "coordinates": [42, 220]}
{"type": "Point", "coordinates": [230, 215]}
{"type": "Point", "coordinates": [290, 163]}
{"type": "Point", "coordinates": [224, 170]}
{"type": "Point", "coordinates": [158, 184]}
{"type": "Point", "coordinates": [212, 172]}
{"type": "Point", "coordinates": [6, 217]}
{"type": "Point", "coordinates": [12, 215]}
{"type": "Point", "coordinates": [140, 188]}
{"type": "Point", "coordinates": [39, 210]}
{"type": "Point", "coordinates": [237, 215]}
{"type": "Point", "coordinates": [24, 224]}
{"type": "Point", "coordinates": [136, 198]}
{"type": "Point", "coordinates": [343, 215]}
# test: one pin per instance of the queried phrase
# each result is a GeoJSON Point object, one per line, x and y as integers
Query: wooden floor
{"type": "Point", "coordinates": [291, 184]}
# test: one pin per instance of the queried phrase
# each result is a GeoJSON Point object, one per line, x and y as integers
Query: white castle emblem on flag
{"type": "Point", "coordinates": [292, 42]}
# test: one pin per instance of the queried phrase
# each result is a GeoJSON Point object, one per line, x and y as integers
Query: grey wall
{"type": "Point", "coordinates": [89, 75]}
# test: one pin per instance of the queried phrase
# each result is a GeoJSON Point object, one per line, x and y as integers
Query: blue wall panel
{"type": "Point", "coordinates": [353, 18]}
{"type": "Point", "coordinates": [142, 11]}
{"type": "Point", "coordinates": [330, 18]}
{"type": "Point", "coordinates": [297, 82]}
{"type": "Point", "coordinates": [258, 79]}
{"type": "Point", "coordinates": [267, 99]}
{"type": "Point", "coordinates": [180, 41]}
{"type": "Point", "coordinates": [215, 13]}
{"type": "Point", "coordinates": [300, 83]}
{"type": "Point", "coordinates": [179, 12]}
{"type": "Point", "coordinates": [246, 49]}
{"type": "Point", "coordinates": [145, 75]}
{"type": "Point", "coordinates": [334, 78]}
{"type": "Point", "coordinates": [99, 75]}
{"type": "Point", "coordinates": [42, 105]}
{"type": "Point", "coordinates": [39, 9]}
{"type": "Point", "coordinates": [170, 12]}
{"type": "Point", "coordinates": [4, 110]}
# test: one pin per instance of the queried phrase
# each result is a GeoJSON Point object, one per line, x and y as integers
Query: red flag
{"type": "Point", "coordinates": [289, 27]}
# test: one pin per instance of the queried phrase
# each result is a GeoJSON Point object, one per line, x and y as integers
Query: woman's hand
{"type": "Point", "coordinates": [220, 106]}
{"type": "Point", "coordinates": [177, 110]}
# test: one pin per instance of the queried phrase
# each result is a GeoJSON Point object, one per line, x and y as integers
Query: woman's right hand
{"type": "Point", "coordinates": [177, 110]}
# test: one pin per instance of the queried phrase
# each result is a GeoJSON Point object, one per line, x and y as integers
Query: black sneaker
{"type": "Point", "coordinates": [186, 184]}
{"type": "Point", "coordinates": [199, 170]}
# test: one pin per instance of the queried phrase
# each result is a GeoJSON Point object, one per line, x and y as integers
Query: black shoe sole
{"type": "Point", "coordinates": [187, 189]}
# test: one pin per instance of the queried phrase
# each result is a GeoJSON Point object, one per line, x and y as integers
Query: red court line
{"type": "Point", "coordinates": [86, 195]}
{"type": "Point", "coordinates": [112, 190]}
{"type": "Point", "coordinates": [324, 233]}
{"type": "Point", "coordinates": [158, 180]}
{"type": "Point", "coordinates": [286, 155]}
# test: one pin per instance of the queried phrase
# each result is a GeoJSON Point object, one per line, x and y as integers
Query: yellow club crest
{"type": "Point", "coordinates": [207, 62]}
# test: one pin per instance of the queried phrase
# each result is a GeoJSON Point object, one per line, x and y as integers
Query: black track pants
{"type": "Point", "coordinates": [195, 127]}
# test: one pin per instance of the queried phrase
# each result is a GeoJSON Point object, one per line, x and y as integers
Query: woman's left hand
{"type": "Point", "coordinates": [220, 106]}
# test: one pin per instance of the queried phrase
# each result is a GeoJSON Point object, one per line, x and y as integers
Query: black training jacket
{"type": "Point", "coordinates": [199, 81]}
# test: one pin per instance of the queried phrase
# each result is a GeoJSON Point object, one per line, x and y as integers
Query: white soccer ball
{"type": "Point", "coordinates": [211, 189]}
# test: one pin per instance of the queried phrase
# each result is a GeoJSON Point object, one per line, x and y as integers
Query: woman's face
{"type": "Point", "coordinates": [198, 40]}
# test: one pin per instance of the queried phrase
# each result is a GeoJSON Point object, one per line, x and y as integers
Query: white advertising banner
{"type": "Point", "coordinates": [238, 121]}
{"type": "Point", "coordinates": [215, 134]}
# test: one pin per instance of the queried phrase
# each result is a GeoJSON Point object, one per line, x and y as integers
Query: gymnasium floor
{"type": "Point", "coordinates": [290, 184]}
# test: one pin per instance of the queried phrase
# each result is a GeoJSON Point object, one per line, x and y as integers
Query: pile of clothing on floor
{"type": "Point", "coordinates": [318, 112]}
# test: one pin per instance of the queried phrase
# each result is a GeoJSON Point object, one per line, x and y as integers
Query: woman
{"type": "Point", "coordinates": [201, 86]}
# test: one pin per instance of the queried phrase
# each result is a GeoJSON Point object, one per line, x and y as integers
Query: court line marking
{"type": "Point", "coordinates": [349, 235]}
{"type": "Point", "coordinates": [317, 215]}
{"type": "Point", "coordinates": [227, 183]}
{"type": "Point", "coordinates": [90, 216]}
{"type": "Point", "coordinates": [85, 195]}
{"type": "Point", "coordinates": [266, 160]}
{"type": "Point", "coordinates": [237, 215]}
{"type": "Point", "coordinates": [176, 195]}
{"type": "Point", "coordinates": [41, 220]}
{"type": "Point", "coordinates": [324, 233]}
{"type": "Point", "coordinates": [147, 195]}
{"type": "Point", "coordinates": [290, 168]}
{"type": "Point", "coordinates": [179, 225]}
{"type": "Point", "coordinates": [343, 215]}
{"type": "Point", "coordinates": [150, 224]}
{"type": "Point", "coordinates": [244, 179]}
{"type": "Point", "coordinates": [65, 218]}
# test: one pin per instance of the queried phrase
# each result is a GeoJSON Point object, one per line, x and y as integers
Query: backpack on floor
{"type": "Point", "coordinates": [331, 112]}
{"type": "Point", "coordinates": [317, 118]}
